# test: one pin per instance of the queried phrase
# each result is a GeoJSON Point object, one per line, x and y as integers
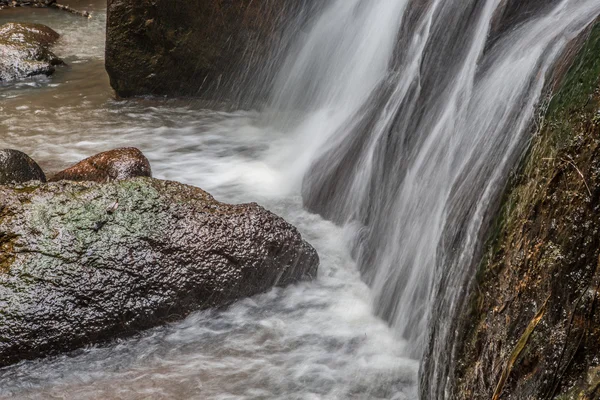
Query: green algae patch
{"type": "Point", "coordinates": [87, 217]}
{"type": "Point", "coordinates": [576, 90]}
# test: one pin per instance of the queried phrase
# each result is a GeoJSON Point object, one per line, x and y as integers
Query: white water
{"type": "Point", "coordinates": [315, 340]}
{"type": "Point", "coordinates": [431, 127]}
{"type": "Point", "coordinates": [409, 145]}
{"type": "Point", "coordinates": [409, 152]}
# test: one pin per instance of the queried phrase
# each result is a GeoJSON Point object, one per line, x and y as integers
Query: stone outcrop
{"type": "Point", "coordinates": [18, 167]}
{"type": "Point", "coordinates": [25, 51]}
{"type": "Point", "coordinates": [207, 48]}
{"type": "Point", "coordinates": [531, 326]}
{"type": "Point", "coordinates": [86, 262]}
{"type": "Point", "coordinates": [117, 164]}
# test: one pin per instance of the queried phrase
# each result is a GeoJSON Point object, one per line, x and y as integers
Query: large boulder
{"type": "Point", "coordinates": [117, 164]}
{"type": "Point", "coordinates": [203, 48]}
{"type": "Point", "coordinates": [25, 51]}
{"type": "Point", "coordinates": [85, 262]}
{"type": "Point", "coordinates": [18, 167]}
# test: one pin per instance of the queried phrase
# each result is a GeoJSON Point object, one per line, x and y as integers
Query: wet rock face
{"type": "Point", "coordinates": [85, 262]}
{"type": "Point", "coordinates": [24, 51]}
{"type": "Point", "coordinates": [18, 167]}
{"type": "Point", "coordinates": [205, 48]}
{"type": "Point", "coordinates": [531, 326]}
{"type": "Point", "coordinates": [117, 164]}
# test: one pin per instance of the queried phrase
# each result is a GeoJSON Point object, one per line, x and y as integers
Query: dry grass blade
{"type": "Point", "coordinates": [518, 350]}
{"type": "Point", "coordinates": [570, 161]}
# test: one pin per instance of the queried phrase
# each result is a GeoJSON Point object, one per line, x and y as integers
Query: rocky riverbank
{"type": "Point", "coordinates": [40, 4]}
{"type": "Point", "coordinates": [25, 3]}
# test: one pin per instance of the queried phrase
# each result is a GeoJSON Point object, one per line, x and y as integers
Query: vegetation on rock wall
{"type": "Point", "coordinates": [533, 326]}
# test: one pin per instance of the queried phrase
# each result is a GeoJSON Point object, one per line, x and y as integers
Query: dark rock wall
{"type": "Point", "coordinates": [531, 327]}
{"type": "Point", "coordinates": [214, 49]}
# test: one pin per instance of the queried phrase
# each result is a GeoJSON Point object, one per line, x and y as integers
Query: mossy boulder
{"type": "Point", "coordinates": [86, 262]}
{"type": "Point", "coordinates": [25, 51]}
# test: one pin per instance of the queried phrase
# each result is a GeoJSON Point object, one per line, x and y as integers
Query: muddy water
{"type": "Point", "coordinates": [317, 340]}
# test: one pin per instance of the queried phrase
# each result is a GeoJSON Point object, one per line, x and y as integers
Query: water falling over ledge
{"type": "Point", "coordinates": [398, 121]}
{"type": "Point", "coordinates": [415, 142]}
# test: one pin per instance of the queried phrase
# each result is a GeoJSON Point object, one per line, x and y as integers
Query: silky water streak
{"type": "Point", "coordinates": [411, 115]}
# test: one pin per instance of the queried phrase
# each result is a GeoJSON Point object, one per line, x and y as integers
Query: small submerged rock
{"type": "Point", "coordinates": [108, 166]}
{"type": "Point", "coordinates": [18, 167]}
{"type": "Point", "coordinates": [85, 262]}
{"type": "Point", "coordinates": [25, 51]}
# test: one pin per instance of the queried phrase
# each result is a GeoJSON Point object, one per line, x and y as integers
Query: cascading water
{"type": "Point", "coordinates": [397, 119]}
{"type": "Point", "coordinates": [414, 112]}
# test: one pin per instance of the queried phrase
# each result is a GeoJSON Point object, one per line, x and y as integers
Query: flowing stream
{"type": "Point", "coordinates": [390, 131]}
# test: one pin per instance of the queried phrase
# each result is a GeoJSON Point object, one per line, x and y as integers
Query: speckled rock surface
{"type": "Point", "coordinates": [85, 262]}
{"type": "Point", "coordinates": [117, 164]}
{"type": "Point", "coordinates": [18, 167]}
{"type": "Point", "coordinates": [24, 51]}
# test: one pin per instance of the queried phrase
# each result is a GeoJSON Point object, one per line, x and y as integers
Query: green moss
{"type": "Point", "coordinates": [571, 104]}
{"type": "Point", "coordinates": [579, 83]}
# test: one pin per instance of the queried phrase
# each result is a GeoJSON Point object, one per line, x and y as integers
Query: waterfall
{"type": "Point", "coordinates": [410, 115]}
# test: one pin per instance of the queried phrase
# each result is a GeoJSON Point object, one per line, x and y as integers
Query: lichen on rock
{"type": "Point", "coordinates": [87, 262]}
